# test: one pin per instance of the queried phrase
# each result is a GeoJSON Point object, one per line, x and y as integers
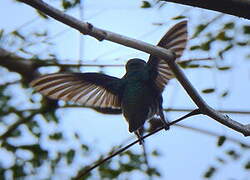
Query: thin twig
{"type": "Point", "coordinates": [44, 63]}
{"type": "Point", "coordinates": [214, 134]}
{"type": "Point", "coordinates": [86, 171]}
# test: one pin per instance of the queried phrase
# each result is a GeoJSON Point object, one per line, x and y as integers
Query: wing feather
{"type": "Point", "coordinates": [90, 89]}
{"type": "Point", "coordinates": [175, 39]}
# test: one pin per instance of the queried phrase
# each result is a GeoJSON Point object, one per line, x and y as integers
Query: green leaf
{"type": "Point", "coordinates": [84, 147]}
{"type": "Point", "coordinates": [207, 66]}
{"type": "Point", "coordinates": [146, 4]}
{"type": "Point", "coordinates": [224, 68]}
{"type": "Point", "coordinates": [207, 91]}
{"type": "Point", "coordinates": [17, 34]}
{"type": "Point", "coordinates": [155, 153]}
{"type": "Point", "coordinates": [68, 4]}
{"type": "Point", "coordinates": [221, 160]}
{"type": "Point", "coordinates": [18, 171]}
{"type": "Point", "coordinates": [192, 48]}
{"type": "Point", "coordinates": [41, 34]}
{"type": "Point", "coordinates": [199, 29]}
{"type": "Point", "coordinates": [246, 29]}
{"type": "Point", "coordinates": [70, 156]}
{"type": "Point", "coordinates": [178, 17]}
{"type": "Point", "coordinates": [223, 37]}
{"type": "Point", "coordinates": [243, 43]}
{"type": "Point", "coordinates": [193, 66]}
{"type": "Point", "coordinates": [233, 154]}
{"type": "Point", "coordinates": [16, 133]}
{"type": "Point", "coordinates": [56, 136]}
{"type": "Point", "coordinates": [247, 165]}
{"type": "Point", "coordinates": [41, 14]}
{"type": "Point", "coordinates": [153, 172]}
{"type": "Point", "coordinates": [221, 140]}
{"type": "Point", "coordinates": [229, 25]}
{"type": "Point", "coordinates": [210, 172]}
{"type": "Point", "coordinates": [230, 46]}
{"type": "Point", "coordinates": [224, 94]}
{"type": "Point", "coordinates": [1, 33]}
{"type": "Point", "coordinates": [206, 46]}
{"type": "Point", "coordinates": [244, 145]}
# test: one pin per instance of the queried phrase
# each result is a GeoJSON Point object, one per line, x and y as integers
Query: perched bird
{"type": "Point", "coordinates": [138, 93]}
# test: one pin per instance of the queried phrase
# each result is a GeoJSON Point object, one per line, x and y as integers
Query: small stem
{"type": "Point", "coordinates": [85, 172]}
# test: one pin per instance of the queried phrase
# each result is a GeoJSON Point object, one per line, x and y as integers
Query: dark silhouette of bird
{"type": "Point", "coordinates": [138, 93]}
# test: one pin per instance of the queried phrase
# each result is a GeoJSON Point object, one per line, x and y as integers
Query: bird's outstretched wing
{"type": "Point", "coordinates": [175, 39]}
{"type": "Point", "coordinates": [90, 89]}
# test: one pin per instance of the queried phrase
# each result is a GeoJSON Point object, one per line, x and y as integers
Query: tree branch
{"type": "Point", "coordinates": [17, 64]}
{"type": "Point", "coordinates": [99, 34]}
{"type": "Point", "coordinates": [238, 8]}
{"type": "Point", "coordinates": [167, 55]}
{"type": "Point", "coordinates": [227, 111]}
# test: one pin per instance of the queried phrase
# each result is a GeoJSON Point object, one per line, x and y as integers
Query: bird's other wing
{"type": "Point", "coordinates": [175, 39]}
{"type": "Point", "coordinates": [89, 89]}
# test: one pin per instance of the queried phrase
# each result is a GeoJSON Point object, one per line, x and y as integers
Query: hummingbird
{"type": "Point", "coordinates": [138, 93]}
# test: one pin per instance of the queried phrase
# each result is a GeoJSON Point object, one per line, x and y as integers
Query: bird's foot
{"type": "Point", "coordinates": [165, 125]}
{"type": "Point", "coordinates": [141, 140]}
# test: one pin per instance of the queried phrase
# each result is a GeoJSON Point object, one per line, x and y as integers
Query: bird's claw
{"type": "Point", "coordinates": [166, 126]}
{"type": "Point", "coordinates": [141, 141]}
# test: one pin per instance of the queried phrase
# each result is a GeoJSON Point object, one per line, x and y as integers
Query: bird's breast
{"type": "Point", "coordinates": [137, 97]}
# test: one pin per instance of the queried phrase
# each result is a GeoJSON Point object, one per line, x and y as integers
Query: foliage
{"type": "Point", "coordinates": [27, 118]}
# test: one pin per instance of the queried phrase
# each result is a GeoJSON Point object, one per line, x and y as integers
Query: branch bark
{"type": "Point", "coordinates": [18, 64]}
{"type": "Point", "coordinates": [167, 55]}
{"type": "Point", "coordinates": [238, 8]}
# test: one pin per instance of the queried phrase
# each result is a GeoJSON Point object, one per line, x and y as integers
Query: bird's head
{"type": "Point", "coordinates": [135, 64]}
